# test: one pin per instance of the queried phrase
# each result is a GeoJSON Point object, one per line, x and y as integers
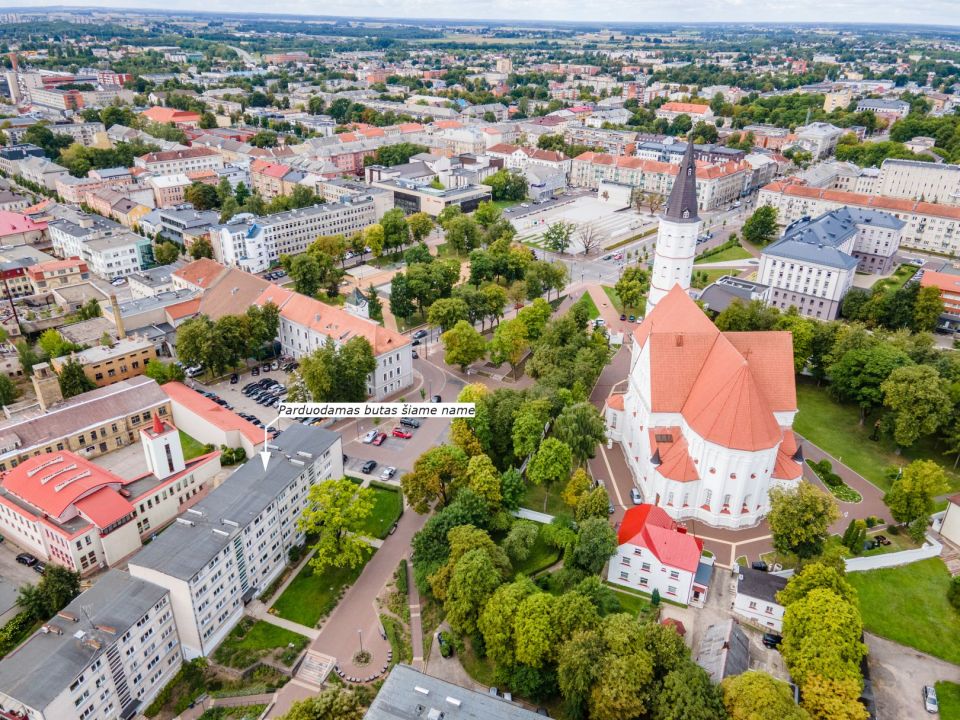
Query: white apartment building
{"type": "Point", "coordinates": [819, 138]}
{"type": "Point", "coordinates": [929, 226]}
{"type": "Point", "coordinates": [756, 598]}
{"type": "Point", "coordinates": [168, 190]}
{"type": "Point", "coordinates": [813, 265]}
{"type": "Point", "coordinates": [106, 655]}
{"type": "Point", "coordinates": [171, 162]}
{"type": "Point", "coordinates": [254, 243]}
{"type": "Point", "coordinates": [109, 249]}
{"type": "Point", "coordinates": [230, 546]}
{"type": "Point", "coordinates": [914, 180]}
{"type": "Point", "coordinates": [40, 171]}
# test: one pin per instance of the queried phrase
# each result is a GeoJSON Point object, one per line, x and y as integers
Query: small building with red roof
{"type": "Point", "coordinates": [211, 424]}
{"type": "Point", "coordinates": [65, 508]}
{"type": "Point", "coordinates": [20, 229]}
{"type": "Point", "coordinates": [655, 553]}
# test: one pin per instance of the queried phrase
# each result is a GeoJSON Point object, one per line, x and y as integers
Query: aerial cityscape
{"type": "Point", "coordinates": [480, 361]}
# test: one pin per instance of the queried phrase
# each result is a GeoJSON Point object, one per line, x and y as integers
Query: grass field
{"type": "Point", "coordinates": [614, 298]}
{"type": "Point", "coordinates": [249, 641]}
{"type": "Point", "coordinates": [591, 306]}
{"type": "Point", "coordinates": [702, 278]}
{"type": "Point", "coordinates": [537, 498]}
{"type": "Point", "coordinates": [917, 614]}
{"type": "Point", "coordinates": [734, 253]}
{"type": "Point", "coordinates": [835, 428]}
{"type": "Point", "coordinates": [898, 279]}
{"type": "Point", "coordinates": [948, 694]}
{"type": "Point", "coordinates": [191, 448]}
{"type": "Point", "coordinates": [636, 605]}
{"type": "Point", "coordinates": [310, 597]}
{"type": "Point", "coordinates": [387, 506]}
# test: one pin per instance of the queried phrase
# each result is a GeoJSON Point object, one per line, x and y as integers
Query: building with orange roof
{"type": "Point", "coordinates": [696, 111]}
{"type": "Point", "coordinates": [655, 553]}
{"type": "Point", "coordinates": [57, 273]}
{"type": "Point", "coordinates": [172, 162]}
{"type": "Point", "coordinates": [706, 423]}
{"type": "Point", "coordinates": [66, 509]}
{"type": "Point", "coordinates": [929, 226]}
{"type": "Point", "coordinates": [165, 115]}
{"type": "Point", "coordinates": [209, 423]}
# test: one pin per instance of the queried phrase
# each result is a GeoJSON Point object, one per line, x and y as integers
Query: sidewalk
{"type": "Point", "coordinates": [416, 622]}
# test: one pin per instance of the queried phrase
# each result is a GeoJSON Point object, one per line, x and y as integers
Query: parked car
{"type": "Point", "coordinates": [378, 440]}
{"type": "Point", "coordinates": [930, 701]}
{"type": "Point", "coordinates": [370, 437]}
{"type": "Point", "coordinates": [436, 399]}
{"type": "Point", "coordinates": [772, 640]}
{"type": "Point", "coordinates": [410, 423]}
{"type": "Point", "coordinates": [255, 371]}
{"type": "Point", "coordinates": [275, 365]}
{"type": "Point", "coordinates": [419, 334]}
{"type": "Point", "coordinates": [27, 559]}
{"type": "Point", "coordinates": [622, 316]}
{"type": "Point", "coordinates": [40, 568]}
{"type": "Point", "coordinates": [388, 472]}
{"type": "Point", "coordinates": [368, 467]}
{"type": "Point", "coordinates": [759, 565]}
{"type": "Point", "coordinates": [415, 355]}
{"type": "Point", "coordinates": [193, 371]}
{"type": "Point", "coordinates": [635, 497]}
{"type": "Point", "coordinates": [265, 367]}
{"type": "Point", "coordinates": [401, 433]}
{"type": "Point", "coordinates": [633, 318]}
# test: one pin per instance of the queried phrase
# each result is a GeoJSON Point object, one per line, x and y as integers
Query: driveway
{"type": "Point", "coordinates": [899, 674]}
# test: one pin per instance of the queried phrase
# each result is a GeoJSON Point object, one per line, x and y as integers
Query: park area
{"type": "Point", "coordinates": [312, 596]}
{"type": "Point", "coordinates": [917, 614]}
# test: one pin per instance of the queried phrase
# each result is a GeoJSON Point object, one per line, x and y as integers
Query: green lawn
{"type": "Point", "coordinates": [540, 558]}
{"type": "Point", "coordinates": [636, 605]}
{"type": "Point", "coordinates": [948, 694]}
{"type": "Point", "coordinates": [251, 640]}
{"type": "Point", "coordinates": [909, 605]}
{"type": "Point", "coordinates": [898, 279]}
{"type": "Point", "coordinates": [591, 306]}
{"type": "Point", "coordinates": [399, 639]}
{"type": "Point", "coordinates": [835, 428]}
{"type": "Point", "coordinates": [733, 253]}
{"type": "Point", "coordinates": [191, 448]}
{"type": "Point", "coordinates": [614, 298]}
{"type": "Point", "coordinates": [310, 597]}
{"type": "Point", "coordinates": [702, 278]}
{"type": "Point", "coordinates": [239, 712]}
{"type": "Point", "coordinates": [387, 506]}
{"type": "Point", "coordinates": [537, 498]}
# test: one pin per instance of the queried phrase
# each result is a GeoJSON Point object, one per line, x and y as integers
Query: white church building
{"type": "Point", "coordinates": [705, 419]}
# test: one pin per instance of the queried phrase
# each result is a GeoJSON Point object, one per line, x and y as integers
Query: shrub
{"type": "Point", "coordinates": [893, 529]}
{"type": "Point", "coordinates": [14, 632]}
{"type": "Point", "coordinates": [953, 592]}
{"type": "Point", "coordinates": [655, 597]}
{"type": "Point", "coordinates": [401, 578]}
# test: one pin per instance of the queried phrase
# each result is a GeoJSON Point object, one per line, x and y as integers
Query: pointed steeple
{"type": "Point", "coordinates": [682, 204]}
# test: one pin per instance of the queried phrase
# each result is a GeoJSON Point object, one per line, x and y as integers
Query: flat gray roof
{"type": "Point", "coordinates": [409, 694]}
{"type": "Point", "coordinates": [182, 550]}
{"type": "Point", "coordinates": [47, 664]}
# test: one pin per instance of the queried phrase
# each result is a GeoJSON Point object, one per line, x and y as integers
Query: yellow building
{"type": "Point", "coordinates": [837, 100]}
{"type": "Point", "coordinates": [107, 364]}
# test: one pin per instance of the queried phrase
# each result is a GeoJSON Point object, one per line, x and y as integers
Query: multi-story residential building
{"type": "Point", "coordinates": [229, 547]}
{"type": "Point", "coordinates": [813, 265]}
{"type": "Point", "coordinates": [306, 325]}
{"type": "Point", "coordinates": [70, 511]}
{"type": "Point", "coordinates": [152, 282]}
{"type": "Point", "coordinates": [173, 162]}
{"type": "Point", "coordinates": [837, 99]}
{"type": "Point", "coordinates": [109, 364]}
{"type": "Point", "coordinates": [255, 244]}
{"type": "Point", "coordinates": [947, 281]}
{"type": "Point", "coordinates": [670, 150]}
{"type": "Point", "coordinates": [104, 656]}
{"type": "Point", "coordinates": [891, 110]}
{"type": "Point", "coordinates": [40, 171]}
{"type": "Point", "coordinates": [696, 111]}
{"type": "Point", "coordinates": [818, 138]}
{"type": "Point", "coordinates": [654, 553]}
{"type": "Point", "coordinates": [516, 157]}
{"type": "Point", "coordinates": [108, 248]}
{"type": "Point", "coordinates": [19, 229]}
{"type": "Point", "coordinates": [929, 226]}
{"type": "Point", "coordinates": [182, 223]}
{"type": "Point", "coordinates": [56, 98]}
{"type": "Point", "coordinates": [168, 190]}
{"type": "Point", "coordinates": [57, 273]}
{"type": "Point", "coordinates": [717, 184]}
{"type": "Point", "coordinates": [927, 181]}
{"type": "Point", "coordinates": [90, 424]}
{"type": "Point", "coordinates": [272, 179]}
{"type": "Point", "coordinates": [498, 111]}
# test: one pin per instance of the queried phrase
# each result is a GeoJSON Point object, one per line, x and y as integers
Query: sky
{"type": "Point", "coordinates": [934, 12]}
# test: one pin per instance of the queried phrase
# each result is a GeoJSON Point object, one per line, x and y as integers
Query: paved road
{"type": "Point", "coordinates": [899, 674]}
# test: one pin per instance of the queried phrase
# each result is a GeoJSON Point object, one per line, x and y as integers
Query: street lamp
{"type": "Point", "coordinates": [360, 635]}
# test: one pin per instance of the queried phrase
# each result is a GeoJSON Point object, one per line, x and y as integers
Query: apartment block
{"type": "Point", "coordinates": [106, 655]}
{"type": "Point", "coordinates": [927, 181]}
{"type": "Point", "coordinates": [226, 549]}
{"type": "Point", "coordinates": [108, 248]}
{"type": "Point", "coordinates": [57, 273]}
{"type": "Point", "coordinates": [172, 162]}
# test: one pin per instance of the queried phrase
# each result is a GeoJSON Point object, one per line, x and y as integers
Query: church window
{"type": "Point", "coordinates": [733, 476]}
{"type": "Point", "coordinates": [670, 499]}
{"type": "Point", "coordinates": [726, 500]}
{"type": "Point", "coordinates": [708, 497]}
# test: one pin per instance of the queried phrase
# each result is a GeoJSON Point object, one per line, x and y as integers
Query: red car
{"type": "Point", "coordinates": [378, 440]}
{"type": "Point", "coordinates": [401, 433]}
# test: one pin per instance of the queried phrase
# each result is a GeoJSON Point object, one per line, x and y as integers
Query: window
{"type": "Point", "coordinates": [624, 575]}
{"type": "Point", "coordinates": [674, 575]}
{"type": "Point", "coordinates": [671, 589]}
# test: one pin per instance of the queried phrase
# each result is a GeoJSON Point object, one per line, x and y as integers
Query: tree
{"type": "Point", "coordinates": [374, 305]}
{"type": "Point", "coordinates": [396, 232]}
{"type": "Point", "coordinates": [632, 287]}
{"type": "Point", "coordinates": [166, 252]}
{"type": "Point", "coordinates": [589, 237]}
{"type": "Point", "coordinates": [520, 540]}
{"type": "Point", "coordinates": [859, 374]}
{"type": "Point", "coordinates": [55, 590]}
{"type": "Point", "coordinates": [577, 488]}
{"type": "Point", "coordinates": [462, 233]}
{"type": "Point", "coordinates": [305, 272]}
{"type": "Point", "coordinates": [507, 185]}
{"type": "Point", "coordinates": [557, 236]}
{"type": "Point", "coordinates": [688, 694]}
{"type": "Point", "coordinates": [911, 498]}
{"type": "Point", "coordinates": [54, 345]}
{"type": "Point", "coordinates": [528, 427]}
{"type": "Point", "coordinates": [435, 477]}
{"type": "Point", "coordinates": [509, 343]}
{"type": "Point", "coordinates": [354, 362]}
{"type": "Point", "coordinates": [483, 478]}
{"type": "Point", "coordinates": [73, 380]}
{"type": "Point", "coordinates": [8, 391]}
{"type": "Point", "coordinates": [27, 356]}
{"type": "Point", "coordinates": [335, 514]}
{"type": "Point", "coordinates": [579, 664]}
{"type": "Point", "coordinates": [816, 575]}
{"type": "Point", "coordinates": [757, 696]}
{"type": "Point", "coordinates": [447, 312]}
{"type": "Point", "coordinates": [202, 196]}
{"type": "Point", "coordinates": [463, 345]}
{"type": "Point", "coordinates": [335, 703]}
{"type": "Point", "coordinates": [401, 298]}
{"type": "Point", "coordinates": [420, 225]}
{"type": "Point", "coordinates": [919, 400]}
{"type": "Point", "coordinates": [595, 503]}
{"type": "Point", "coordinates": [821, 637]}
{"type": "Point", "coordinates": [497, 619]}
{"type": "Point", "coordinates": [201, 248]}
{"type": "Point", "coordinates": [833, 699]}
{"type": "Point", "coordinates": [581, 428]}
{"type": "Point", "coordinates": [551, 463]}
{"type": "Point", "coordinates": [622, 689]}
{"type": "Point", "coordinates": [536, 632]}
{"type": "Point", "coordinates": [761, 227]}
{"type": "Point", "coordinates": [164, 372]}
{"type": "Point", "coordinates": [474, 579]}
{"type": "Point", "coordinates": [31, 600]}
{"type": "Point", "coordinates": [375, 238]}
{"type": "Point", "coordinates": [596, 542]}
{"type": "Point", "coordinates": [228, 209]}
{"type": "Point", "coordinates": [927, 309]}
{"type": "Point", "coordinates": [486, 214]}
{"type": "Point", "coordinates": [800, 519]}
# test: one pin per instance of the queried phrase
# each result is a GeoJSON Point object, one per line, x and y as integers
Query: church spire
{"type": "Point", "coordinates": [682, 204]}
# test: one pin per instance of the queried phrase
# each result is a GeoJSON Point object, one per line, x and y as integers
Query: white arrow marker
{"type": "Point", "coordinates": [265, 453]}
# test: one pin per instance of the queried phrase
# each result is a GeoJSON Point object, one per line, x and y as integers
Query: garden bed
{"type": "Point", "coordinates": [833, 482]}
{"type": "Point", "coordinates": [253, 640]}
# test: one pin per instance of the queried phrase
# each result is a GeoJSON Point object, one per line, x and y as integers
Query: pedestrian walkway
{"type": "Point", "coordinates": [416, 621]}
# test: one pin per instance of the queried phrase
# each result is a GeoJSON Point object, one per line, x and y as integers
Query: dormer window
{"type": "Point", "coordinates": [686, 214]}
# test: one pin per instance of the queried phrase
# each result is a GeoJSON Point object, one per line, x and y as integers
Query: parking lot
{"type": "Point", "coordinates": [12, 571]}
{"type": "Point", "coordinates": [241, 403]}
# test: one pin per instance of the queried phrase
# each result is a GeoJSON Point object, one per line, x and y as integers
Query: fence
{"type": "Point", "coordinates": [930, 549]}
